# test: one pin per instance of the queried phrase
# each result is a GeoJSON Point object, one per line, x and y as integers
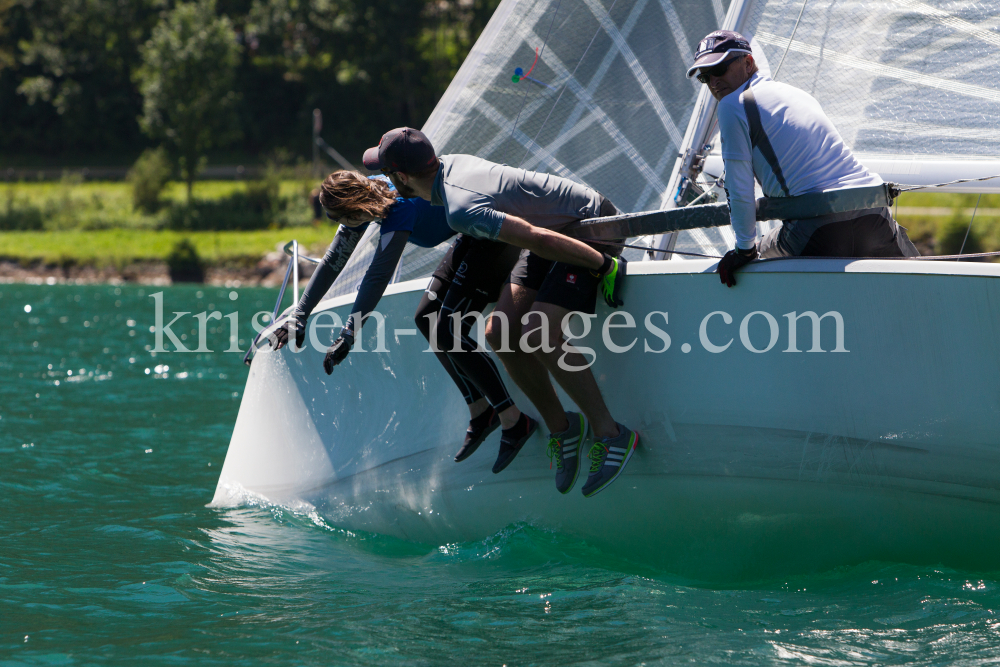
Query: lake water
{"type": "Point", "coordinates": [108, 553]}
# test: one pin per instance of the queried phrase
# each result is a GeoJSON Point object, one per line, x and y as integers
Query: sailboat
{"type": "Point", "coordinates": [823, 412]}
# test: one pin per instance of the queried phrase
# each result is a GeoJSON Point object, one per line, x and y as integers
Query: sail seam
{"type": "Point", "coordinates": [676, 28]}
{"type": "Point", "coordinates": [607, 124]}
{"type": "Point", "coordinates": [637, 71]}
{"type": "Point", "coordinates": [598, 78]}
{"type": "Point", "coordinates": [951, 21]}
{"type": "Point", "coordinates": [538, 54]}
{"type": "Point", "coordinates": [494, 115]}
{"type": "Point", "coordinates": [562, 88]}
{"type": "Point", "coordinates": [881, 70]}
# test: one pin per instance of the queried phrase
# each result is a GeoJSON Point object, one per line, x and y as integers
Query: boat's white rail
{"type": "Point", "coordinates": [689, 266]}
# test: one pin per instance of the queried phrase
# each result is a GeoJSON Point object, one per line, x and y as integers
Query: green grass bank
{"type": "Point", "coordinates": [72, 223]}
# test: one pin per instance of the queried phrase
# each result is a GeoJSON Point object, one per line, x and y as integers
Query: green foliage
{"type": "Point", "coordinates": [74, 73]}
{"type": "Point", "coordinates": [187, 81]}
{"type": "Point", "coordinates": [264, 198]}
{"type": "Point", "coordinates": [119, 247]}
{"type": "Point", "coordinates": [18, 214]}
{"type": "Point", "coordinates": [952, 234]}
{"type": "Point", "coordinates": [237, 211]}
{"type": "Point", "coordinates": [67, 67]}
{"type": "Point", "coordinates": [148, 177]}
{"type": "Point", "coordinates": [184, 264]}
{"type": "Point", "coordinates": [215, 205]}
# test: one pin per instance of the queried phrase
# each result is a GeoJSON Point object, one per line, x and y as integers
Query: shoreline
{"type": "Point", "coordinates": [269, 271]}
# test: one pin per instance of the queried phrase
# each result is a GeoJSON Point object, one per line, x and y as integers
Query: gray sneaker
{"type": "Point", "coordinates": [564, 449]}
{"type": "Point", "coordinates": [608, 458]}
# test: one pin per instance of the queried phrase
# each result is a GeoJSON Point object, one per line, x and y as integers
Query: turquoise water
{"type": "Point", "coordinates": [108, 553]}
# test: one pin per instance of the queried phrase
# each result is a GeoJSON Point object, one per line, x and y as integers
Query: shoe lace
{"type": "Point", "coordinates": [553, 451]}
{"type": "Point", "coordinates": [596, 455]}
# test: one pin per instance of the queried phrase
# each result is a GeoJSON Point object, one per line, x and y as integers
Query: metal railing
{"type": "Point", "coordinates": [294, 256]}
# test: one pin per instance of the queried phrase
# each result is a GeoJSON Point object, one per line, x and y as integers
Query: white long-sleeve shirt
{"type": "Point", "coordinates": [810, 151]}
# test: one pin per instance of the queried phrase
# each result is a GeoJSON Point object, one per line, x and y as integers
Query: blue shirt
{"type": "Point", "coordinates": [428, 225]}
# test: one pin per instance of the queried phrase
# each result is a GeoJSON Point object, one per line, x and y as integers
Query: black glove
{"type": "Point", "coordinates": [279, 338]}
{"type": "Point", "coordinates": [338, 351]}
{"type": "Point", "coordinates": [733, 260]}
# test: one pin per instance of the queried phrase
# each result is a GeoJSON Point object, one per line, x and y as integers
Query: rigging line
{"type": "Point", "coordinates": [970, 224]}
{"type": "Point", "coordinates": [645, 247]}
{"type": "Point", "coordinates": [524, 98]}
{"type": "Point", "coordinates": [562, 88]}
{"type": "Point", "coordinates": [995, 253]}
{"type": "Point", "coordinates": [925, 258]}
{"type": "Point", "coordinates": [774, 76]}
{"type": "Point", "coordinates": [903, 187]}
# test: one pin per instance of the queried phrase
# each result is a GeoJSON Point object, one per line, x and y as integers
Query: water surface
{"type": "Point", "coordinates": [108, 553]}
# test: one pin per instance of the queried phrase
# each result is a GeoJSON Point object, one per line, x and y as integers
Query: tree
{"type": "Point", "coordinates": [65, 75]}
{"type": "Point", "coordinates": [187, 81]}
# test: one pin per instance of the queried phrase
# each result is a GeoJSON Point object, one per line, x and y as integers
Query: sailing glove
{"type": "Point", "coordinates": [338, 351]}
{"type": "Point", "coordinates": [279, 338]}
{"type": "Point", "coordinates": [613, 281]}
{"type": "Point", "coordinates": [734, 259]}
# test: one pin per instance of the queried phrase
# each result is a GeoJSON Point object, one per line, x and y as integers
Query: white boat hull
{"type": "Point", "coordinates": [748, 462]}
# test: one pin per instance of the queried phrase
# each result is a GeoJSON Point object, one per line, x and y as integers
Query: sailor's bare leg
{"type": "Point", "coordinates": [524, 368]}
{"type": "Point", "coordinates": [580, 384]}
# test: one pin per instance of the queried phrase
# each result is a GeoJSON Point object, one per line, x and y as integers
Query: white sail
{"type": "Point", "coordinates": [912, 85]}
{"type": "Point", "coordinates": [606, 103]}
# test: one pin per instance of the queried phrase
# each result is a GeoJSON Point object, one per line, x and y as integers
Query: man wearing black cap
{"type": "Point", "coordinates": [779, 135]}
{"type": "Point", "coordinates": [556, 275]}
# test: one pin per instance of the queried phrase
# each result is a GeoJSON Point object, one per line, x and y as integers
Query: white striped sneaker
{"type": "Point", "coordinates": [608, 458]}
{"type": "Point", "coordinates": [564, 449]}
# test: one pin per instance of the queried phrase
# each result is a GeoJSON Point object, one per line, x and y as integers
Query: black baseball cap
{"type": "Point", "coordinates": [403, 149]}
{"type": "Point", "coordinates": [718, 46]}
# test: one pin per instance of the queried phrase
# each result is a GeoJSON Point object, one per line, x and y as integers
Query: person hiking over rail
{"type": "Point", "coordinates": [780, 135]}
{"type": "Point", "coordinates": [355, 201]}
{"type": "Point", "coordinates": [556, 274]}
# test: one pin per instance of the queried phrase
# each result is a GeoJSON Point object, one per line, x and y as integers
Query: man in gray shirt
{"type": "Point", "coordinates": [554, 277]}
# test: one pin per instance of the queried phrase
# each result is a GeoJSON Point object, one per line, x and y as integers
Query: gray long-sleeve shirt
{"type": "Point", "coordinates": [477, 196]}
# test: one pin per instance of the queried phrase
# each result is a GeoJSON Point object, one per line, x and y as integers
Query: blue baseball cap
{"type": "Point", "coordinates": [718, 46]}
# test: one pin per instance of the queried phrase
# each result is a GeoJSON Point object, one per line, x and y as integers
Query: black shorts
{"type": "Point", "coordinates": [477, 266]}
{"type": "Point", "coordinates": [571, 287]}
{"type": "Point", "coordinates": [866, 233]}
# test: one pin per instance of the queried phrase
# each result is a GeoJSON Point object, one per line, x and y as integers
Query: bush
{"type": "Point", "coordinates": [951, 234]}
{"type": "Point", "coordinates": [184, 264]}
{"type": "Point", "coordinates": [264, 196]}
{"type": "Point", "coordinates": [235, 212]}
{"type": "Point", "coordinates": [148, 176]}
{"type": "Point", "coordinates": [19, 215]}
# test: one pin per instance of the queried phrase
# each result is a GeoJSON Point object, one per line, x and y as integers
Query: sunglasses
{"type": "Point", "coordinates": [705, 75]}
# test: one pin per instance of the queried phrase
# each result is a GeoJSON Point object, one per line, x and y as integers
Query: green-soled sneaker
{"type": "Point", "coordinates": [608, 458]}
{"type": "Point", "coordinates": [564, 450]}
{"type": "Point", "coordinates": [613, 282]}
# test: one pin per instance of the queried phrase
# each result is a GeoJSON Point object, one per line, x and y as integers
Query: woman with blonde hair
{"type": "Point", "coordinates": [355, 201]}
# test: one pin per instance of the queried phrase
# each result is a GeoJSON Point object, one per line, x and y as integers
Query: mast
{"type": "Point", "coordinates": [691, 157]}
